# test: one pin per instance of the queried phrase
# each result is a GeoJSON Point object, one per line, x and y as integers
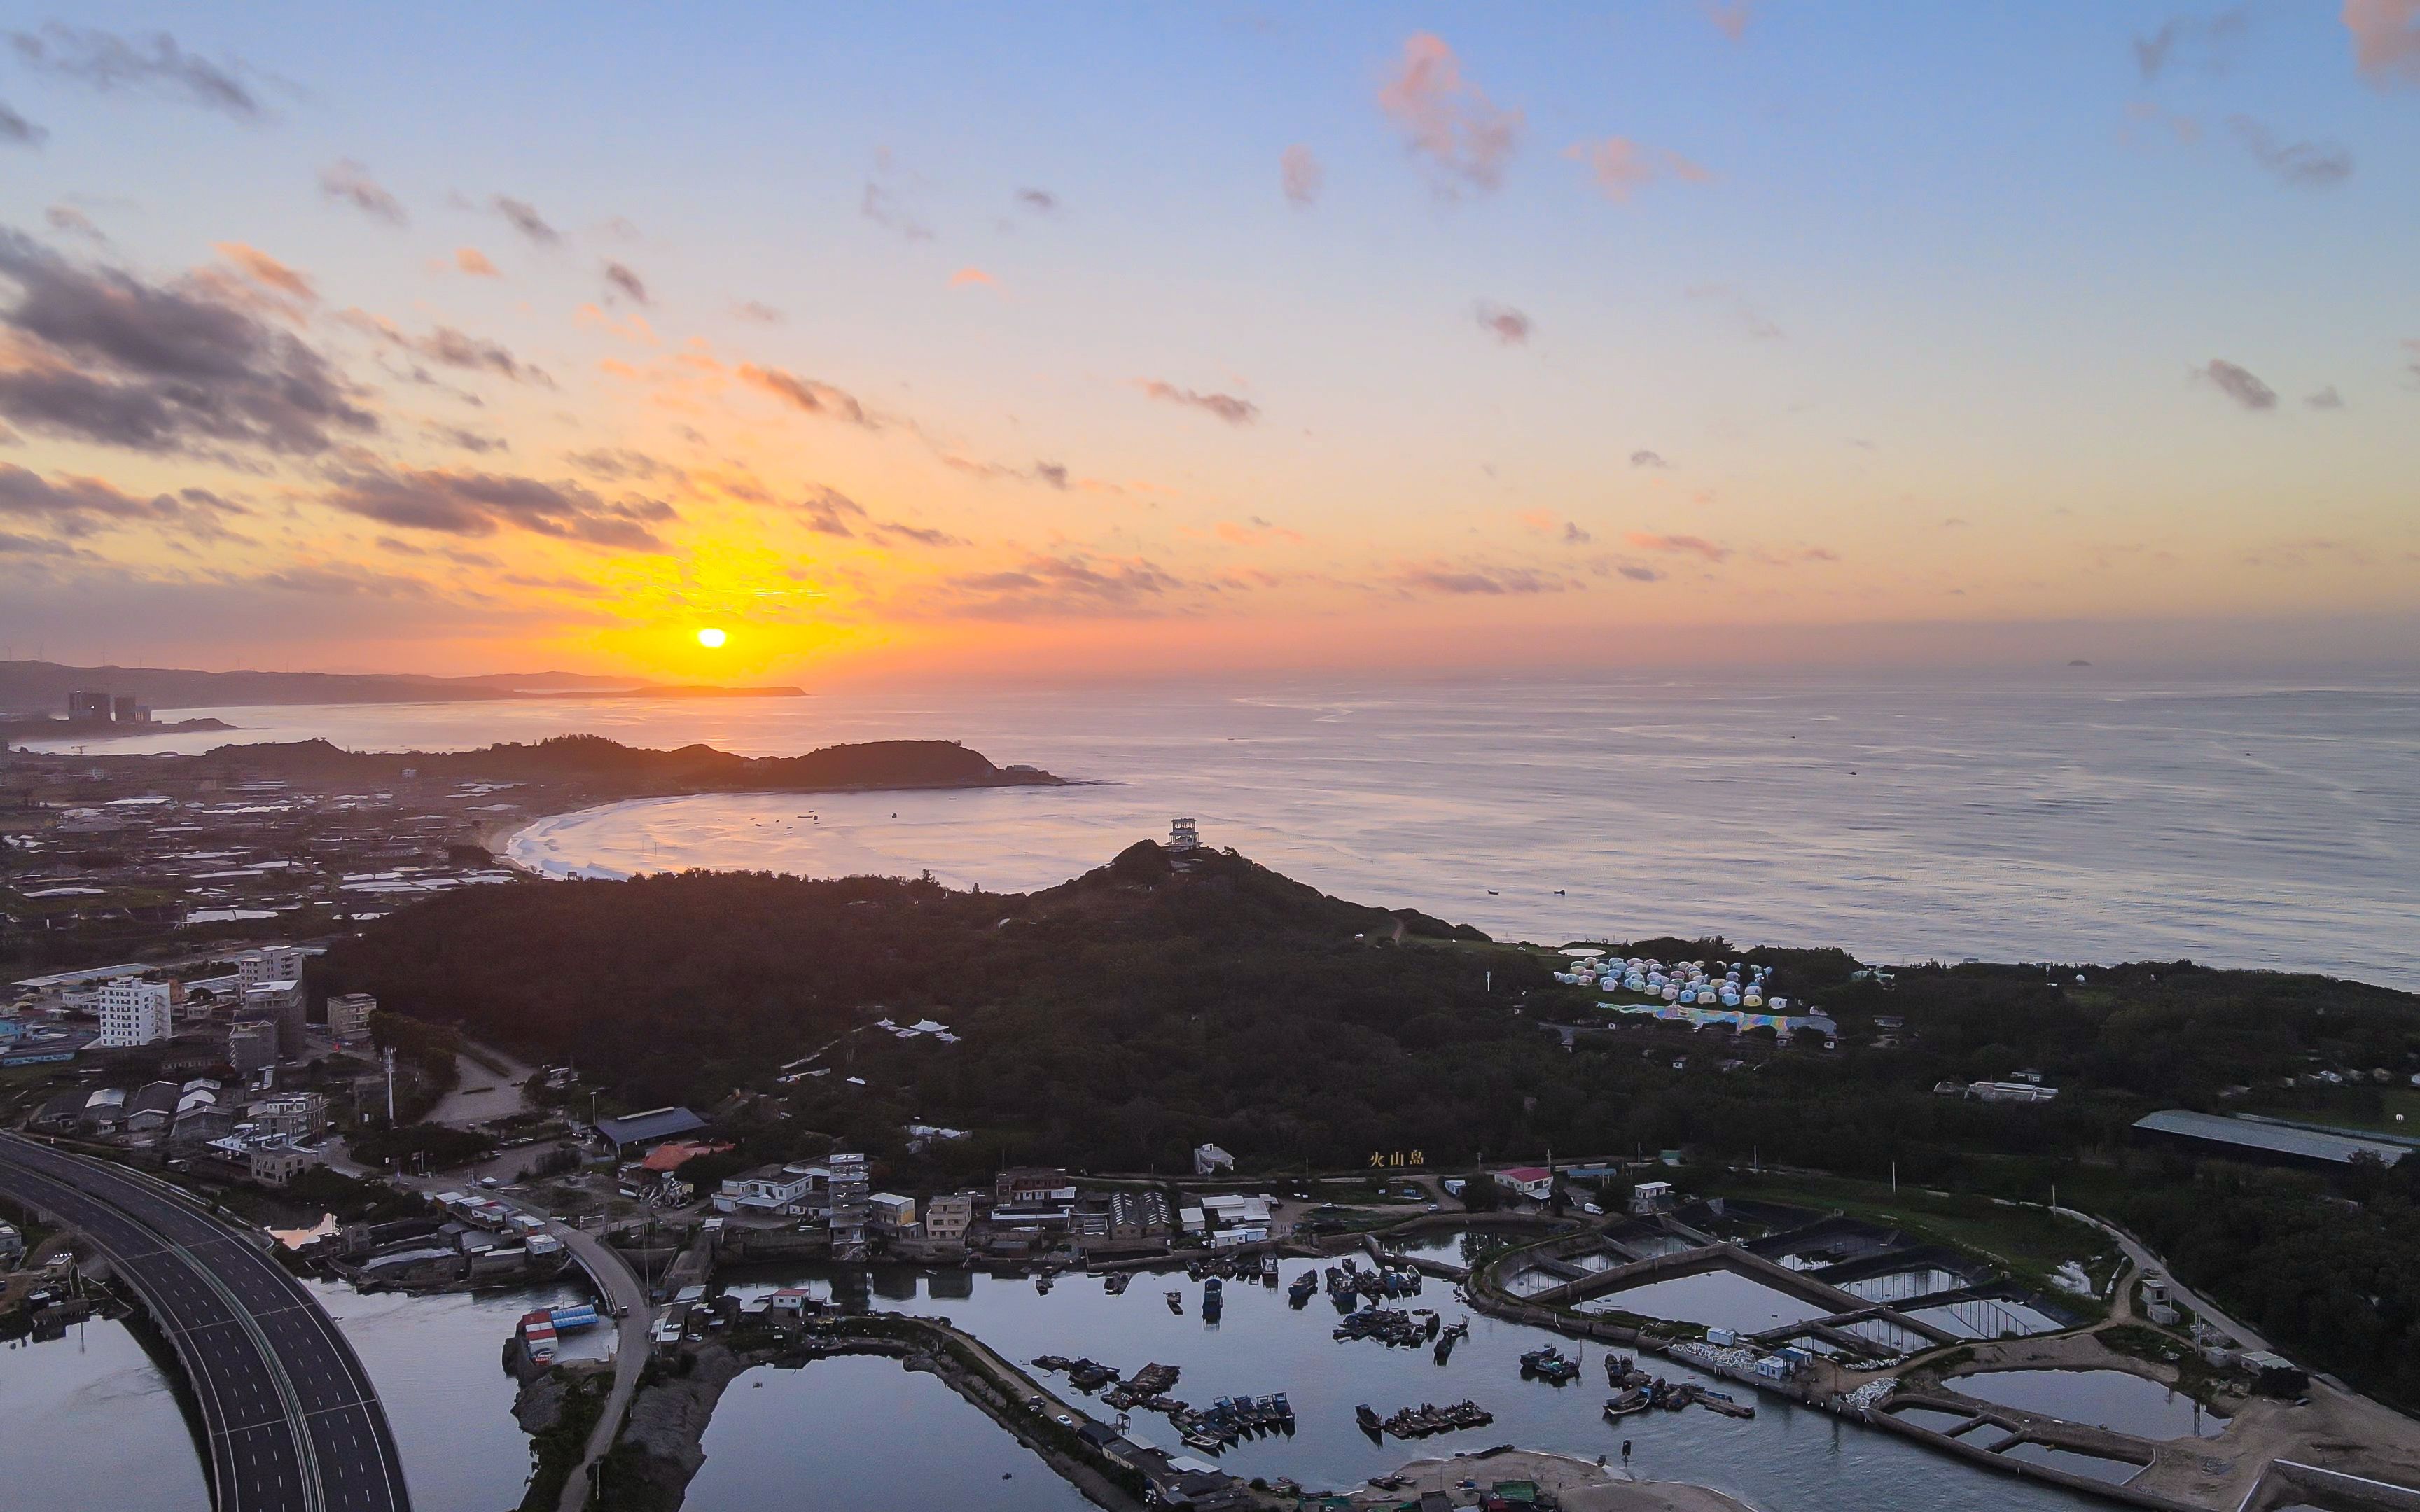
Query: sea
{"type": "Point", "coordinates": [2078, 815]}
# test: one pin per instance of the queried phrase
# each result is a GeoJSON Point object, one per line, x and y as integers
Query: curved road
{"type": "Point", "coordinates": [290, 1417]}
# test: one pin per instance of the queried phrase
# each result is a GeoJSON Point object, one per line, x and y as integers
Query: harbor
{"type": "Point", "coordinates": [1787, 1455]}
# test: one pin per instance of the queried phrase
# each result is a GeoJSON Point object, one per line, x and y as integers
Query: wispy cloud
{"type": "Point", "coordinates": [1301, 175]}
{"type": "Point", "coordinates": [482, 504]}
{"type": "Point", "coordinates": [620, 280]}
{"type": "Point", "coordinates": [1619, 166]}
{"type": "Point", "coordinates": [475, 262]}
{"type": "Point", "coordinates": [349, 182]}
{"type": "Point", "coordinates": [152, 65]}
{"type": "Point", "coordinates": [759, 313]}
{"type": "Point", "coordinates": [267, 270]}
{"type": "Point", "coordinates": [2211, 36]}
{"type": "Point", "coordinates": [69, 221]}
{"type": "Point", "coordinates": [973, 277]}
{"type": "Point", "coordinates": [1226, 407]}
{"type": "Point", "coordinates": [2300, 164]}
{"type": "Point", "coordinates": [1463, 137]}
{"type": "Point", "coordinates": [450, 347]}
{"type": "Point", "coordinates": [77, 506]}
{"type": "Point", "coordinates": [810, 395]}
{"type": "Point", "coordinates": [17, 132]}
{"type": "Point", "coordinates": [2239, 384]}
{"type": "Point", "coordinates": [1644, 458]}
{"type": "Point", "coordinates": [1742, 308]}
{"type": "Point", "coordinates": [2326, 398]}
{"type": "Point", "coordinates": [1071, 585]}
{"type": "Point", "coordinates": [1501, 322]}
{"type": "Point", "coordinates": [2386, 41]}
{"type": "Point", "coordinates": [1040, 201]}
{"type": "Point", "coordinates": [1462, 580]}
{"type": "Point", "coordinates": [1689, 546]}
{"type": "Point", "coordinates": [523, 217]}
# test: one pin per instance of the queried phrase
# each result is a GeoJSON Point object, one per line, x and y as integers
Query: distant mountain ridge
{"type": "Point", "coordinates": [41, 688]}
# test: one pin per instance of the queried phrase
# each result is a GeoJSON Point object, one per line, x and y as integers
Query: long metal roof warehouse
{"type": "Point", "coordinates": [651, 1127]}
{"type": "Point", "coordinates": [2259, 1141]}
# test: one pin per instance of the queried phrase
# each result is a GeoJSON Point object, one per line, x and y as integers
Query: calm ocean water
{"type": "Point", "coordinates": [2079, 817]}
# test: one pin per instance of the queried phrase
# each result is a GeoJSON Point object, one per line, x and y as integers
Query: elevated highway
{"type": "Point", "coordinates": [291, 1421]}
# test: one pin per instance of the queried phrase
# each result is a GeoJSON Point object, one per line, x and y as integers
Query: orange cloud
{"type": "Point", "coordinates": [268, 271]}
{"type": "Point", "coordinates": [970, 275]}
{"type": "Point", "coordinates": [475, 262]}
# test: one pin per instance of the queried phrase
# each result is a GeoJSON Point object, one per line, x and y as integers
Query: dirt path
{"type": "Point", "coordinates": [1576, 1484]}
{"type": "Point", "coordinates": [481, 1095]}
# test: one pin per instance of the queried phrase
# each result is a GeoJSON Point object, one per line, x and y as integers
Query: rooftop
{"type": "Point", "coordinates": [2269, 1138]}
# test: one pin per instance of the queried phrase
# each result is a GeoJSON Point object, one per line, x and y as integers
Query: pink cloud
{"type": "Point", "coordinates": [1451, 121]}
{"type": "Point", "coordinates": [971, 276]}
{"type": "Point", "coordinates": [1731, 16]}
{"type": "Point", "coordinates": [1299, 172]}
{"type": "Point", "coordinates": [2385, 39]}
{"type": "Point", "coordinates": [1621, 166]}
{"type": "Point", "coordinates": [475, 262]}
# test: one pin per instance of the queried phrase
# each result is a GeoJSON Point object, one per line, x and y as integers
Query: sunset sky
{"type": "Point", "coordinates": [1072, 339]}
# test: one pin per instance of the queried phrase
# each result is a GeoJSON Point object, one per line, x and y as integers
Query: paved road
{"type": "Point", "coordinates": [291, 1421]}
{"type": "Point", "coordinates": [2145, 1260]}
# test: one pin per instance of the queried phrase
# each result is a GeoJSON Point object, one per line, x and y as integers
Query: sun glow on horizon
{"type": "Point", "coordinates": [712, 638]}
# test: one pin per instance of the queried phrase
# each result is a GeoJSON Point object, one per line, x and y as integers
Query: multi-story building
{"type": "Point", "coordinates": [134, 1012]}
{"type": "Point", "coordinates": [275, 963]}
{"type": "Point", "coordinates": [947, 1217]}
{"type": "Point", "coordinates": [279, 1002]}
{"type": "Point", "coordinates": [252, 1046]}
{"type": "Point", "coordinates": [290, 1115]}
{"type": "Point", "coordinates": [276, 1165]}
{"type": "Point", "coordinates": [349, 1016]}
{"type": "Point", "coordinates": [851, 1184]}
{"type": "Point", "coordinates": [892, 1212]}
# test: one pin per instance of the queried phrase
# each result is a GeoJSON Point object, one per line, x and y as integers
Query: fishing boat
{"type": "Point", "coordinates": [1368, 1418]}
{"type": "Point", "coordinates": [1633, 1400]}
{"type": "Point", "coordinates": [1213, 1297]}
{"type": "Point", "coordinates": [1042, 1284]}
{"type": "Point", "coordinates": [1176, 1301]}
{"type": "Point", "coordinates": [1117, 1283]}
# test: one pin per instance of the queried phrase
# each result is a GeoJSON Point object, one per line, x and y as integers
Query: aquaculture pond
{"type": "Point", "coordinates": [2112, 1399]}
{"type": "Point", "coordinates": [1786, 1457]}
{"type": "Point", "coordinates": [1717, 1299]}
{"type": "Point", "coordinates": [859, 1431]}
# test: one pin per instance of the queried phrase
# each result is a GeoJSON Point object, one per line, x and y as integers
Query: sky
{"type": "Point", "coordinates": [1066, 340]}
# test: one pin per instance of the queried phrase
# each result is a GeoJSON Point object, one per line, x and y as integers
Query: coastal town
{"type": "Point", "coordinates": [226, 1077]}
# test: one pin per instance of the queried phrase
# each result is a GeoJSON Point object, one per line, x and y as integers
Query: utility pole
{"type": "Point", "coordinates": [388, 1056]}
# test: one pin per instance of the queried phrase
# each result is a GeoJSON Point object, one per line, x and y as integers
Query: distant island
{"type": "Point", "coordinates": [15, 729]}
{"type": "Point", "coordinates": [632, 771]}
{"type": "Point", "coordinates": [44, 688]}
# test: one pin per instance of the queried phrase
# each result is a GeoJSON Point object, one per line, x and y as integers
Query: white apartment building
{"type": "Point", "coordinates": [277, 963]}
{"type": "Point", "coordinates": [134, 1012]}
{"type": "Point", "coordinates": [947, 1217]}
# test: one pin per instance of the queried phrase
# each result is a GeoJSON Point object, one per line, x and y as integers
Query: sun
{"type": "Point", "coordinates": [711, 639]}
